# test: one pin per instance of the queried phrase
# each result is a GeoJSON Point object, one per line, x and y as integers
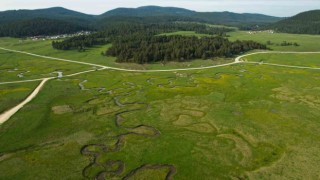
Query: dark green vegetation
{"type": "Point", "coordinates": [137, 43]}
{"type": "Point", "coordinates": [39, 26]}
{"type": "Point", "coordinates": [142, 49]}
{"type": "Point", "coordinates": [57, 17]}
{"type": "Point", "coordinates": [303, 23]}
{"type": "Point", "coordinates": [68, 21]}
{"type": "Point", "coordinates": [130, 31]}
{"type": "Point", "coordinates": [227, 18]}
{"type": "Point", "coordinates": [81, 42]}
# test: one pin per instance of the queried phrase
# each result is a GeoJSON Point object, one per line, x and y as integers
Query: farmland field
{"type": "Point", "coordinates": [243, 121]}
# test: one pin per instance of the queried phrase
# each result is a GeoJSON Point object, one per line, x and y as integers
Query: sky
{"type": "Point", "coordinates": [282, 8]}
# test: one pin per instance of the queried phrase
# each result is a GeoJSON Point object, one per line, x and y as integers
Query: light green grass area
{"type": "Point", "coordinates": [307, 60]}
{"type": "Point", "coordinates": [306, 42]}
{"type": "Point", "coordinates": [242, 121]}
{"type": "Point", "coordinates": [93, 55]}
{"type": "Point", "coordinates": [186, 33]}
{"type": "Point", "coordinates": [19, 67]}
{"type": "Point", "coordinates": [13, 94]}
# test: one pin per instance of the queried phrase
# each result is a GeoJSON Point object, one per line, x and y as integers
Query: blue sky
{"type": "Point", "coordinates": [270, 7]}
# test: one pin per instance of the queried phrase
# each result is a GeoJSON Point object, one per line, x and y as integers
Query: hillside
{"type": "Point", "coordinates": [148, 11]}
{"type": "Point", "coordinates": [303, 23]}
{"type": "Point", "coordinates": [38, 26]}
{"type": "Point", "coordinates": [73, 20]}
{"type": "Point", "coordinates": [226, 18]}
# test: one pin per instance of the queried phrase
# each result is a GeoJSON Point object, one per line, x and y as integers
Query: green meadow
{"type": "Point", "coordinates": [308, 60]}
{"type": "Point", "coordinates": [12, 94]}
{"type": "Point", "coordinates": [243, 121]}
{"type": "Point", "coordinates": [186, 33]}
{"type": "Point", "coordinates": [306, 42]}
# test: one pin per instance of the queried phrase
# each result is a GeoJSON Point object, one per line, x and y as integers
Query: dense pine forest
{"type": "Point", "coordinates": [81, 42]}
{"type": "Point", "coordinates": [146, 49]}
{"type": "Point", "coordinates": [141, 43]}
{"type": "Point", "coordinates": [39, 26]}
{"type": "Point", "coordinates": [115, 31]}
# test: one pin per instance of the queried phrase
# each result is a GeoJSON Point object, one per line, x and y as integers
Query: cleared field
{"type": "Point", "coordinates": [306, 42]}
{"type": "Point", "coordinates": [308, 60]}
{"type": "Point", "coordinates": [12, 94]}
{"type": "Point", "coordinates": [242, 121]}
{"type": "Point", "coordinates": [93, 55]}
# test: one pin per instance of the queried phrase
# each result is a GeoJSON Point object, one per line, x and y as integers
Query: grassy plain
{"type": "Point", "coordinates": [243, 121]}
{"type": "Point", "coordinates": [186, 33]}
{"type": "Point", "coordinates": [308, 60]}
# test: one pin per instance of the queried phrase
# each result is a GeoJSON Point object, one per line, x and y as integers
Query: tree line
{"type": "Point", "coordinates": [142, 49]}
{"type": "Point", "coordinates": [141, 43]}
{"type": "Point", "coordinates": [113, 33]}
{"type": "Point", "coordinates": [38, 26]}
{"type": "Point", "coordinates": [80, 42]}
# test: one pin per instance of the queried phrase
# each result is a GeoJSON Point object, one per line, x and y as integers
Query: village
{"type": "Point", "coordinates": [61, 36]}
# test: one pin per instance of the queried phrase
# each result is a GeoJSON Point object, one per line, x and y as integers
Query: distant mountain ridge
{"type": "Point", "coordinates": [227, 18]}
{"type": "Point", "coordinates": [141, 12]}
{"type": "Point", "coordinates": [146, 14]}
{"type": "Point", "coordinates": [147, 11]}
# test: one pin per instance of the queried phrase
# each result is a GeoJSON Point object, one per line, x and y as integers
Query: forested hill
{"type": "Point", "coordinates": [147, 14]}
{"type": "Point", "coordinates": [225, 18]}
{"type": "Point", "coordinates": [39, 26]}
{"type": "Point", "coordinates": [149, 11]}
{"type": "Point", "coordinates": [303, 23]}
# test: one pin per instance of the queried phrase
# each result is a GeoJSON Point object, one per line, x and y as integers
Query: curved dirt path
{"type": "Point", "coordinates": [7, 114]}
{"type": "Point", "coordinates": [237, 60]}
{"type": "Point", "coordinates": [114, 68]}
